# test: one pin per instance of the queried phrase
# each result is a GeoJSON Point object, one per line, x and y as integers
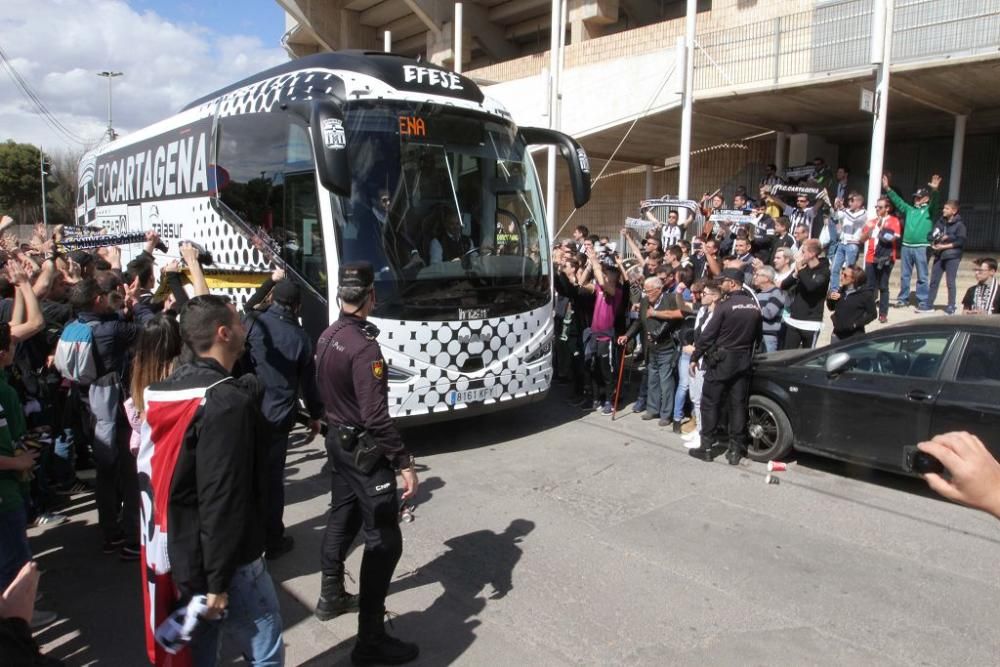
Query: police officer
{"type": "Point", "coordinates": [281, 355]}
{"type": "Point", "coordinates": [727, 344]}
{"type": "Point", "coordinates": [365, 452]}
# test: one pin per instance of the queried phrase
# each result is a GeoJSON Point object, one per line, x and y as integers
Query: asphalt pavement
{"type": "Point", "coordinates": [551, 536]}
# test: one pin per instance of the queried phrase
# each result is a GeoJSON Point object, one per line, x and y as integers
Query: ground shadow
{"type": "Point", "coordinates": [478, 567]}
{"type": "Point", "coordinates": [494, 428]}
{"type": "Point", "coordinates": [97, 623]}
{"type": "Point", "coordinates": [889, 480]}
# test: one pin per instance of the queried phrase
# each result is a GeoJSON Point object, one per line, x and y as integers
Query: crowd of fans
{"type": "Point", "coordinates": [82, 338]}
{"type": "Point", "coordinates": [808, 251]}
{"type": "Point", "coordinates": [815, 253]}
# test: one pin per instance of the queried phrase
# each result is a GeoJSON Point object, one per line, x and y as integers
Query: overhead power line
{"type": "Point", "coordinates": [40, 107]}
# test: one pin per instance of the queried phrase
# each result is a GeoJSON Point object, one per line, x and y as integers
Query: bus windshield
{"type": "Point", "coordinates": [446, 208]}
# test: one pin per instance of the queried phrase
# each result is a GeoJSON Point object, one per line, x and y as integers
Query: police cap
{"type": "Point", "coordinates": [287, 292]}
{"type": "Point", "coordinates": [736, 275]}
{"type": "Point", "coordinates": [356, 274]}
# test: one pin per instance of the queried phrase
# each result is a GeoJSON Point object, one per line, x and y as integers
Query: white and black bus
{"type": "Point", "coordinates": [352, 156]}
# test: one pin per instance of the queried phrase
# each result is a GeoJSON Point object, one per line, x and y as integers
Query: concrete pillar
{"type": "Point", "coordinates": [354, 35]}
{"type": "Point", "coordinates": [882, 20]}
{"type": "Point", "coordinates": [588, 18]}
{"type": "Point", "coordinates": [555, 38]}
{"type": "Point", "coordinates": [387, 42]}
{"type": "Point", "coordinates": [684, 176]}
{"type": "Point", "coordinates": [458, 37]}
{"type": "Point", "coordinates": [957, 153]}
{"type": "Point", "coordinates": [780, 151]}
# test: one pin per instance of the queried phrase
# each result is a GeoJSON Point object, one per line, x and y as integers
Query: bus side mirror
{"type": "Point", "coordinates": [574, 155]}
{"type": "Point", "coordinates": [329, 139]}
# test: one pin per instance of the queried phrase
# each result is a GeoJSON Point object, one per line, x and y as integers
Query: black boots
{"type": "Point", "coordinates": [703, 453]}
{"type": "Point", "coordinates": [733, 456]}
{"type": "Point", "coordinates": [333, 599]}
{"type": "Point", "coordinates": [375, 647]}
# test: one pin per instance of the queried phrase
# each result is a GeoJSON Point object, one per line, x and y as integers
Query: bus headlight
{"type": "Point", "coordinates": [542, 350]}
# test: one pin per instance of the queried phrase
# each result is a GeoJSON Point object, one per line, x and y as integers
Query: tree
{"type": "Point", "coordinates": [62, 197]}
{"type": "Point", "coordinates": [21, 181]}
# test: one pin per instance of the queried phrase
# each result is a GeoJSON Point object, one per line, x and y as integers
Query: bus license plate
{"type": "Point", "coordinates": [455, 397]}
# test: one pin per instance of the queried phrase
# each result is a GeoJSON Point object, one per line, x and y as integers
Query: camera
{"type": "Point", "coordinates": [921, 463]}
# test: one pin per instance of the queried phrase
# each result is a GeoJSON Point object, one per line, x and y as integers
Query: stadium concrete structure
{"type": "Point", "coordinates": [773, 81]}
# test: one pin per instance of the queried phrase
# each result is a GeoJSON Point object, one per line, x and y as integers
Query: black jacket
{"type": "Point", "coordinates": [735, 326]}
{"type": "Point", "coordinates": [950, 231]}
{"type": "Point", "coordinates": [808, 291]}
{"type": "Point", "coordinates": [353, 381]}
{"type": "Point", "coordinates": [219, 489]}
{"type": "Point", "coordinates": [658, 332]}
{"type": "Point", "coordinates": [852, 311]}
{"type": "Point", "coordinates": [281, 355]}
{"type": "Point", "coordinates": [113, 340]}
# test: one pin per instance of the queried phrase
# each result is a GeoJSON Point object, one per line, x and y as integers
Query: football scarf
{"type": "Point", "coordinates": [169, 414]}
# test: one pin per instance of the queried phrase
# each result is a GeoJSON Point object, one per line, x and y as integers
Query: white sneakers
{"type": "Point", "coordinates": [692, 440]}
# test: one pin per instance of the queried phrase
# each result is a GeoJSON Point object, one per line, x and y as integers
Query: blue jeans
{"type": "Point", "coordinates": [846, 254]}
{"type": "Point", "coordinates": [14, 550]}
{"type": "Point", "coordinates": [683, 380]}
{"type": "Point", "coordinates": [914, 257]}
{"type": "Point", "coordinates": [770, 342]}
{"type": "Point", "coordinates": [660, 367]}
{"type": "Point", "coordinates": [643, 387]}
{"type": "Point", "coordinates": [878, 279]}
{"type": "Point", "coordinates": [948, 268]}
{"type": "Point", "coordinates": [252, 621]}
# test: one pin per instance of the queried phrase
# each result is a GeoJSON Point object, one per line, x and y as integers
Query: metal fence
{"type": "Point", "coordinates": [836, 37]}
{"type": "Point", "coordinates": [944, 27]}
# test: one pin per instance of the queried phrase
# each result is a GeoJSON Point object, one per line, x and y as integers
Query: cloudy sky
{"type": "Point", "coordinates": [171, 52]}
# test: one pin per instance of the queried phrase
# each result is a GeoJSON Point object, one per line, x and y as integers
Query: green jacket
{"type": "Point", "coordinates": [919, 219]}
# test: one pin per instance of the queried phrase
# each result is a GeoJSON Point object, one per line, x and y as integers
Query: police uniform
{"type": "Point", "coordinates": [727, 344]}
{"type": "Point", "coordinates": [365, 450]}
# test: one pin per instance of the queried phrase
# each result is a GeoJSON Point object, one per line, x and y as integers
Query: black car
{"type": "Point", "coordinates": [864, 399]}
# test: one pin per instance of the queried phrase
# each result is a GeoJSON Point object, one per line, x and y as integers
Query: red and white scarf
{"type": "Point", "coordinates": [169, 413]}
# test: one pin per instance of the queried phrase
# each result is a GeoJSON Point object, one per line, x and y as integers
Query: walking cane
{"type": "Point", "coordinates": [618, 389]}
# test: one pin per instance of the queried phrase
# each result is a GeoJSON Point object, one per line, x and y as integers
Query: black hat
{"type": "Point", "coordinates": [356, 274]}
{"type": "Point", "coordinates": [736, 275]}
{"type": "Point", "coordinates": [922, 192]}
{"type": "Point", "coordinates": [287, 292]}
{"type": "Point", "coordinates": [81, 257]}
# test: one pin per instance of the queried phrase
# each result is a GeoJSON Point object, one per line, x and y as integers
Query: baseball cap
{"type": "Point", "coordinates": [922, 192]}
{"type": "Point", "coordinates": [736, 275]}
{"type": "Point", "coordinates": [287, 292]}
{"type": "Point", "coordinates": [356, 274]}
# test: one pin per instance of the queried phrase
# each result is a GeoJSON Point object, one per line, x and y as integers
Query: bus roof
{"type": "Point", "coordinates": [387, 67]}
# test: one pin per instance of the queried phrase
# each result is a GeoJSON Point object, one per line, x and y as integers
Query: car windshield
{"type": "Point", "coordinates": [445, 206]}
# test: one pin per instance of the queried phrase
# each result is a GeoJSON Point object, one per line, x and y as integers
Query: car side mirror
{"type": "Point", "coordinates": [838, 362]}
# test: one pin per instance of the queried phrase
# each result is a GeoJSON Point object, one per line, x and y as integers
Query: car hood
{"type": "Point", "coordinates": [780, 358]}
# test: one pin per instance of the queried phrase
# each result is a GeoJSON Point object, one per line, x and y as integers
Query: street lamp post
{"type": "Point", "coordinates": [41, 160]}
{"type": "Point", "coordinates": [109, 75]}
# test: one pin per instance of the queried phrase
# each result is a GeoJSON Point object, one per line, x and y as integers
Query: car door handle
{"type": "Point", "coordinates": [918, 395]}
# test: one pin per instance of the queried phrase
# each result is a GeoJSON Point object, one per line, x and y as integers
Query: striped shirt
{"type": "Point", "coordinates": [772, 303]}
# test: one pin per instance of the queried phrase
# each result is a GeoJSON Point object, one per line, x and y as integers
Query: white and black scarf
{"type": "Point", "coordinates": [984, 296]}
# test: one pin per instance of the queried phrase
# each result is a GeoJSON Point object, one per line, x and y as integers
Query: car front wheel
{"type": "Point", "coordinates": [769, 429]}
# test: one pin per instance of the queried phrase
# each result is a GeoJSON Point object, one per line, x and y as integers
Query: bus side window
{"type": "Point", "coordinates": [272, 186]}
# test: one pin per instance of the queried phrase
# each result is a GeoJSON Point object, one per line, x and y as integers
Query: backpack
{"type": "Point", "coordinates": [74, 357]}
